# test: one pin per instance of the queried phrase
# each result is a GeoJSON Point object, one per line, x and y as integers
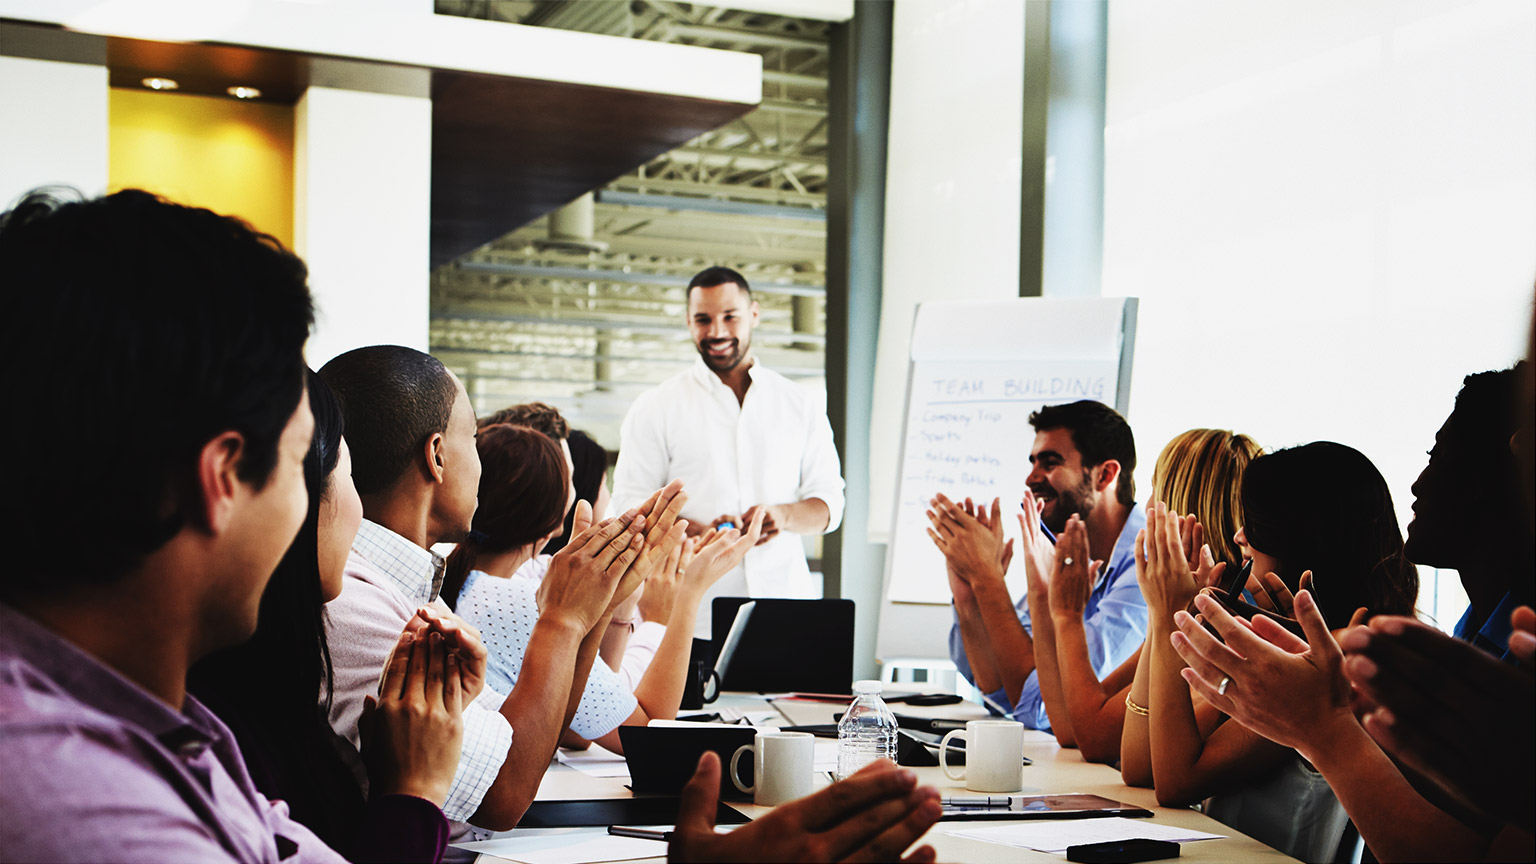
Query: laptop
{"type": "Point", "coordinates": [783, 645]}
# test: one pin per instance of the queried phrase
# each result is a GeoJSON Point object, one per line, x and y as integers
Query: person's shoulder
{"type": "Point", "coordinates": [64, 756]}
{"type": "Point", "coordinates": [365, 589]}
{"type": "Point", "coordinates": [32, 703]}
{"type": "Point", "coordinates": [487, 600]}
{"type": "Point", "coordinates": [93, 787]}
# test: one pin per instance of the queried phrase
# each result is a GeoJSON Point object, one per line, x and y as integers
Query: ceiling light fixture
{"type": "Point", "coordinates": [160, 83]}
{"type": "Point", "coordinates": [244, 92]}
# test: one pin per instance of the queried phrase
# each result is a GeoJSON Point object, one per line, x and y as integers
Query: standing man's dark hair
{"type": "Point", "coordinates": [394, 398]}
{"type": "Point", "coordinates": [1099, 433]}
{"type": "Point", "coordinates": [179, 321]}
{"type": "Point", "coordinates": [709, 277]}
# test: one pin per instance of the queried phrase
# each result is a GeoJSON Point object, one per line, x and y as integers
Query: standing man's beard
{"type": "Point", "coordinates": [1079, 499]}
{"type": "Point", "coordinates": [720, 363]}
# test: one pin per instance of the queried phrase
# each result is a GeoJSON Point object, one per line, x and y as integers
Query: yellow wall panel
{"type": "Point", "coordinates": [229, 156]}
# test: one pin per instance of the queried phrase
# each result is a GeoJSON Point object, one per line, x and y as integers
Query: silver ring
{"type": "Point", "coordinates": [1067, 561]}
{"type": "Point", "coordinates": [1221, 689]}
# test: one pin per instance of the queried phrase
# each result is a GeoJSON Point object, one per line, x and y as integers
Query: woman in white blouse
{"type": "Point", "coordinates": [524, 494]}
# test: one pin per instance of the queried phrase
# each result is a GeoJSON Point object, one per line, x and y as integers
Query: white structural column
{"type": "Point", "coordinates": [362, 220]}
{"type": "Point", "coordinates": [41, 144]}
{"type": "Point", "coordinates": [952, 190]}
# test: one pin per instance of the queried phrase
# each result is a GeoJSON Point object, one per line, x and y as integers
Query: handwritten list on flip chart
{"type": "Point", "coordinates": [967, 434]}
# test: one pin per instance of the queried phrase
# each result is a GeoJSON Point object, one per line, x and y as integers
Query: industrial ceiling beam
{"type": "Point", "coordinates": [582, 274]}
{"type": "Point", "coordinates": [710, 205]}
{"type": "Point", "coordinates": [747, 37]}
{"type": "Point", "coordinates": [637, 326]}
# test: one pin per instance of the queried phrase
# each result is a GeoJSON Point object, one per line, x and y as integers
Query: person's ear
{"type": "Point", "coordinates": [756, 312]}
{"type": "Point", "coordinates": [218, 482]}
{"type": "Point", "coordinates": [436, 460]}
{"type": "Point", "coordinates": [1108, 474]}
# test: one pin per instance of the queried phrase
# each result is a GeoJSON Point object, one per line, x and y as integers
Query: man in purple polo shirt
{"type": "Point", "coordinates": [140, 546]}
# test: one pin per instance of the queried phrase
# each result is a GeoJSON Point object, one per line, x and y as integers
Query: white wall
{"type": "Point", "coordinates": [41, 144]}
{"type": "Point", "coordinates": [362, 221]}
{"type": "Point", "coordinates": [1328, 208]}
{"type": "Point", "coordinates": [952, 189]}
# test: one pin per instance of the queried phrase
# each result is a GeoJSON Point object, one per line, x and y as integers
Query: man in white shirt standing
{"type": "Point", "coordinates": [742, 437]}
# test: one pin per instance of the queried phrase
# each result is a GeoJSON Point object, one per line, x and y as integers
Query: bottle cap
{"type": "Point", "coordinates": [861, 688]}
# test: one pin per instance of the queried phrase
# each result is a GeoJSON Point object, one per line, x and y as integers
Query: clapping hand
{"type": "Point", "coordinates": [873, 815]}
{"type": "Point", "coordinates": [1163, 549]}
{"type": "Point", "coordinates": [719, 553]}
{"type": "Point", "coordinates": [1039, 552]}
{"type": "Point", "coordinates": [1281, 687]}
{"type": "Point", "coordinates": [460, 637]}
{"type": "Point", "coordinates": [660, 590]}
{"type": "Point", "coordinates": [1073, 574]}
{"type": "Point", "coordinates": [664, 534]}
{"type": "Point", "coordinates": [1271, 595]}
{"type": "Point", "coordinates": [970, 538]}
{"type": "Point", "coordinates": [1450, 711]}
{"type": "Point", "coordinates": [583, 576]}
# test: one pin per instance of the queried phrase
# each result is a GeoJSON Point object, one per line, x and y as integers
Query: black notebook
{"type": "Point", "coordinates": [658, 810]}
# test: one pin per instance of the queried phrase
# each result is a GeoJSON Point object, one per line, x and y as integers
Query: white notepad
{"type": "Point", "coordinates": [594, 761]}
{"type": "Point", "coordinates": [568, 847]}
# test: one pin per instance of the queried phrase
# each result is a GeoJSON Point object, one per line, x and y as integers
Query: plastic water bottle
{"type": "Point", "coordinates": [867, 731]}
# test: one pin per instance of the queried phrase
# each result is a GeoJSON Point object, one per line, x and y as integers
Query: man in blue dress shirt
{"type": "Point", "coordinates": [1082, 457]}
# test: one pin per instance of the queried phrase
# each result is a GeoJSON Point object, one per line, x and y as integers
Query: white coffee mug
{"type": "Point", "coordinates": [994, 755]}
{"type": "Point", "coordinates": [784, 762]}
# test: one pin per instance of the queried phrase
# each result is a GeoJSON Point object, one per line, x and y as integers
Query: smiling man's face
{"type": "Point", "coordinates": [720, 320]}
{"type": "Point", "coordinates": [1059, 479]}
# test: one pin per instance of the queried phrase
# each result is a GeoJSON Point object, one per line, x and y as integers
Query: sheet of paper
{"type": "Point", "coordinates": [689, 724]}
{"type": "Point", "coordinates": [594, 761]}
{"type": "Point", "coordinates": [1057, 835]}
{"type": "Point", "coordinates": [577, 847]}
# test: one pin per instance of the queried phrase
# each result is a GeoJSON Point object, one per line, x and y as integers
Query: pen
{"type": "Point", "coordinates": [640, 833]}
{"type": "Point", "coordinates": [1003, 710]}
{"type": "Point", "coordinates": [977, 801]}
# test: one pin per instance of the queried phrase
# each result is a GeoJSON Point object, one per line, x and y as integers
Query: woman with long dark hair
{"type": "Point", "coordinates": [274, 691]}
{"type": "Point", "coordinates": [1318, 515]}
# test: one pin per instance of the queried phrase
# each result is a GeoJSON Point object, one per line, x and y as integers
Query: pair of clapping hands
{"type": "Point", "coordinates": [603, 567]}
{"type": "Point", "coordinates": [696, 564]}
{"type": "Point", "coordinates": [1060, 574]}
{"type": "Point", "coordinates": [411, 733]}
{"type": "Point", "coordinates": [1442, 707]}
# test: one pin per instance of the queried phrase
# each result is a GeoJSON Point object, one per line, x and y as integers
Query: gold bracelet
{"type": "Point", "coordinates": [1134, 708]}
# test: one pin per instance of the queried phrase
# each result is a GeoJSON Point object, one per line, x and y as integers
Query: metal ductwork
{"type": "Point", "coordinates": [571, 228]}
{"type": "Point", "coordinates": [608, 17]}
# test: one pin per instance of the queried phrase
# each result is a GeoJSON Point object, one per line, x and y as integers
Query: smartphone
{"type": "Point", "coordinates": [1237, 606]}
{"type": "Point", "coordinates": [1122, 851]}
{"type": "Point", "coordinates": [1237, 580]}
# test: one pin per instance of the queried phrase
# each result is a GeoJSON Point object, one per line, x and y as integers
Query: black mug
{"type": "Point", "coordinates": [701, 685]}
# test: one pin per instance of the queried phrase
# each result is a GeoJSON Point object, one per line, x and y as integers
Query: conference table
{"type": "Point", "coordinates": [1055, 770]}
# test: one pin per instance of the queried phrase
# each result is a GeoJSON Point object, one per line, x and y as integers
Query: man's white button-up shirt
{"type": "Point", "coordinates": [775, 447]}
